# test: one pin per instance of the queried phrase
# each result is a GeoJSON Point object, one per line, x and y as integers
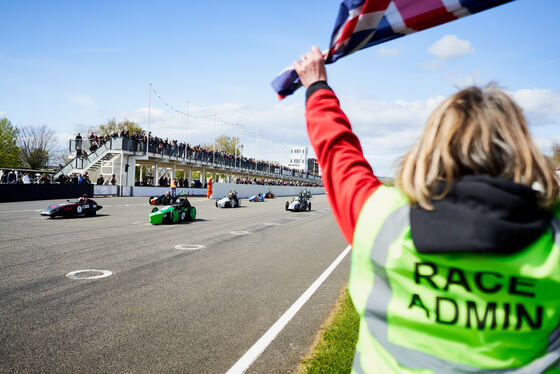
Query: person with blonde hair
{"type": "Point", "coordinates": [457, 268]}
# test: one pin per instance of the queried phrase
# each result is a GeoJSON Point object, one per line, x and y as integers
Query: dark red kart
{"type": "Point", "coordinates": [82, 207]}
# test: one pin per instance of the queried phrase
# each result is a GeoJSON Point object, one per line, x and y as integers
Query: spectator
{"type": "Point", "coordinates": [44, 179]}
{"type": "Point", "coordinates": [100, 180]}
{"type": "Point", "coordinates": [174, 187]}
{"type": "Point", "coordinates": [113, 180]}
{"type": "Point", "coordinates": [78, 142]}
{"type": "Point", "coordinates": [12, 179]}
{"type": "Point", "coordinates": [107, 181]}
{"type": "Point", "coordinates": [455, 239]}
{"type": "Point", "coordinates": [26, 179]}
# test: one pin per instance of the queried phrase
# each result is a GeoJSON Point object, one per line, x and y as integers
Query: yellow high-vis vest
{"type": "Point", "coordinates": [453, 312]}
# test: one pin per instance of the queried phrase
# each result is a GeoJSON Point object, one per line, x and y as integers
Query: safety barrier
{"type": "Point", "coordinates": [105, 190]}
{"type": "Point", "coordinates": [220, 190]}
{"type": "Point", "coordinates": [157, 191]}
{"type": "Point", "coordinates": [27, 192]}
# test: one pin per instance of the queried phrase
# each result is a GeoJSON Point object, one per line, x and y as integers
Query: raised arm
{"type": "Point", "coordinates": [347, 176]}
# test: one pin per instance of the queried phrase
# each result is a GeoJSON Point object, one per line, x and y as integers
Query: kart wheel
{"type": "Point", "coordinates": [93, 213]}
{"type": "Point", "coordinates": [154, 210]}
{"type": "Point", "coordinates": [287, 205]}
{"type": "Point", "coordinates": [192, 213]}
{"type": "Point", "coordinates": [309, 206]}
{"type": "Point", "coordinates": [216, 203]}
{"type": "Point", "coordinates": [183, 216]}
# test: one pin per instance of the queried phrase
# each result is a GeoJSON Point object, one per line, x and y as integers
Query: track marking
{"type": "Point", "coordinates": [271, 224]}
{"type": "Point", "coordinates": [258, 348]}
{"type": "Point", "coordinates": [240, 232]}
{"type": "Point", "coordinates": [294, 218]}
{"type": "Point", "coordinates": [136, 223]}
{"type": "Point", "coordinates": [75, 274]}
{"type": "Point", "coordinates": [189, 247]}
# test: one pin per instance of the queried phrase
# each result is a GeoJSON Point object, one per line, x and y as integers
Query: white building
{"type": "Point", "coordinates": [298, 158]}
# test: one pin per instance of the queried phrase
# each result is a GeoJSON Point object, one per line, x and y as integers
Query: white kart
{"type": "Point", "coordinates": [227, 202]}
{"type": "Point", "coordinates": [298, 204]}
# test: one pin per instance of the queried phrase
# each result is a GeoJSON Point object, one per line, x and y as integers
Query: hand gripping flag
{"type": "Point", "coordinates": [364, 23]}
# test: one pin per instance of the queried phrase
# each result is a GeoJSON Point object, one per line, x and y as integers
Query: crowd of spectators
{"type": "Point", "coordinates": [78, 178]}
{"type": "Point", "coordinates": [166, 182]}
{"type": "Point", "coordinates": [275, 182]}
{"type": "Point", "coordinates": [136, 142]}
{"type": "Point", "coordinates": [13, 177]}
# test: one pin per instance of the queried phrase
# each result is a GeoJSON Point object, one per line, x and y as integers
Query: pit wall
{"type": "Point", "coordinates": [220, 190]}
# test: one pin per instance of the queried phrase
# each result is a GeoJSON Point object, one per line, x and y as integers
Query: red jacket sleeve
{"type": "Point", "coordinates": [347, 176]}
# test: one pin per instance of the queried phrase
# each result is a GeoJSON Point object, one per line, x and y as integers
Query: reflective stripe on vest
{"type": "Point", "coordinates": [452, 313]}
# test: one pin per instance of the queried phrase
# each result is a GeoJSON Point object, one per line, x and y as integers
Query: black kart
{"type": "Point", "coordinates": [83, 207]}
{"type": "Point", "coordinates": [164, 199]}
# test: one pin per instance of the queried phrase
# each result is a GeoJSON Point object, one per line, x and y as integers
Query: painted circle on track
{"type": "Point", "coordinates": [88, 274]}
{"type": "Point", "coordinates": [239, 232]}
{"type": "Point", "coordinates": [189, 247]}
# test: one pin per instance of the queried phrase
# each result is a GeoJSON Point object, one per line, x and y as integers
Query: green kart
{"type": "Point", "coordinates": [181, 211]}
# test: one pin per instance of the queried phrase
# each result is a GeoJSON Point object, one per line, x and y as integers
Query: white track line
{"type": "Point", "coordinates": [258, 348]}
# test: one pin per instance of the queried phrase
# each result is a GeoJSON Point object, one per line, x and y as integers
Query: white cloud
{"type": "Point", "coordinates": [450, 46]}
{"type": "Point", "coordinates": [83, 100]}
{"type": "Point", "coordinates": [382, 51]}
{"type": "Point", "coordinates": [539, 100]}
{"type": "Point", "coordinates": [540, 106]}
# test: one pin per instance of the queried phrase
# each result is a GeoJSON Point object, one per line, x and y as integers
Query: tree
{"type": "Point", "coordinates": [556, 153]}
{"type": "Point", "coordinates": [36, 144]}
{"type": "Point", "coordinates": [9, 151]}
{"type": "Point", "coordinates": [227, 144]}
{"type": "Point", "coordinates": [111, 126]}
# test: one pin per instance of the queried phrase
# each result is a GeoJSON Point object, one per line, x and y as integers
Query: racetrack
{"type": "Point", "coordinates": [165, 308]}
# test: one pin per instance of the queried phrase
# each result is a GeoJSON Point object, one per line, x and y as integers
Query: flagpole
{"type": "Point", "coordinates": [214, 146]}
{"type": "Point", "coordinates": [187, 122]}
{"type": "Point", "coordinates": [149, 110]}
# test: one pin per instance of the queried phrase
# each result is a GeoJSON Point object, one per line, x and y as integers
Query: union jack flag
{"type": "Point", "coordinates": [364, 23]}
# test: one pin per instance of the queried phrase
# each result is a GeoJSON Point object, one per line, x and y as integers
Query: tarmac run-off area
{"type": "Point", "coordinates": [113, 293]}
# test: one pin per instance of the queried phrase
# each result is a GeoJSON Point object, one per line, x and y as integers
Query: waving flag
{"type": "Point", "coordinates": [364, 23]}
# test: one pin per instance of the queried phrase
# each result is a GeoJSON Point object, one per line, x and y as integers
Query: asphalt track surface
{"type": "Point", "coordinates": [164, 309]}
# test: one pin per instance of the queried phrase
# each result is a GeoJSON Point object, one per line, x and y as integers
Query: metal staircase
{"type": "Point", "coordinates": [93, 161]}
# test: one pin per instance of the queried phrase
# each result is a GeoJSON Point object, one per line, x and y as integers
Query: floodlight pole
{"type": "Point", "coordinates": [149, 110]}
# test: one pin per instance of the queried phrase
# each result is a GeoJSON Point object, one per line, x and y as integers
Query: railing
{"type": "Point", "coordinates": [179, 153]}
{"type": "Point", "coordinates": [81, 162]}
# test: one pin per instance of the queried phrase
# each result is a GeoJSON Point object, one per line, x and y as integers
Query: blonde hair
{"type": "Point", "coordinates": [475, 131]}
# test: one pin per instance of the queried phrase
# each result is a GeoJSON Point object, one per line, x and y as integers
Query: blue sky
{"type": "Point", "coordinates": [74, 64]}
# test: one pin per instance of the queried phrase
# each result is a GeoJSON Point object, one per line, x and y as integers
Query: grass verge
{"type": "Point", "coordinates": [333, 349]}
